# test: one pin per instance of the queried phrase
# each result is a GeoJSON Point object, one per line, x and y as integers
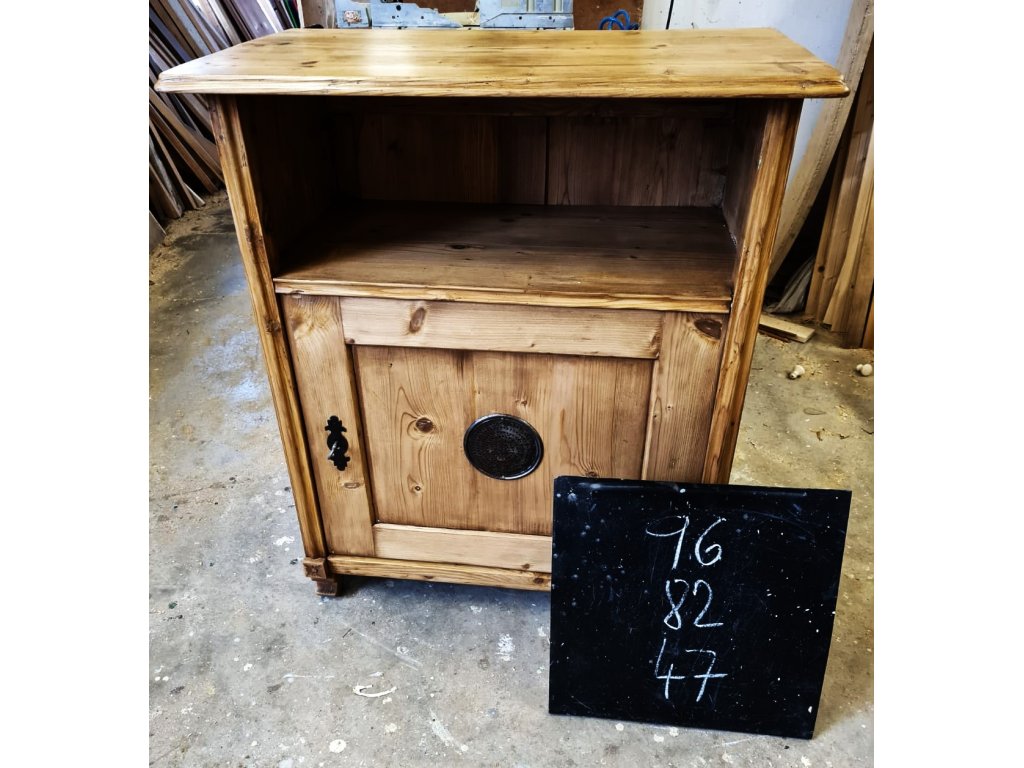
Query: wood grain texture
{"type": "Point", "coordinates": [156, 233]}
{"type": "Point", "coordinates": [590, 413]}
{"type": "Point", "coordinates": [868, 342]}
{"type": "Point", "coordinates": [168, 120]}
{"type": "Point", "coordinates": [802, 190]}
{"type": "Point", "coordinates": [164, 158]}
{"type": "Point", "coordinates": [824, 253]}
{"type": "Point", "coordinates": [281, 138]}
{"type": "Point", "coordinates": [755, 249]}
{"type": "Point", "coordinates": [847, 182]}
{"type": "Point", "coordinates": [837, 314]}
{"type": "Point", "coordinates": [669, 160]}
{"type": "Point", "coordinates": [443, 572]}
{"type": "Point", "coordinates": [848, 311]}
{"type": "Point", "coordinates": [493, 63]}
{"type": "Point", "coordinates": [784, 329]}
{"type": "Point", "coordinates": [682, 397]}
{"type": "Point", "coordinates": [580, 106]}
{"type": "Point", "coordinates": [862, 291]}
{"type": "Point", "coordinates": [451, 158]}
{"type": "Point", "coordinates": [499, 550]}
{"type": "Point", "coordinates": [511, 328]}
{"type": "Point", "coordinates": [208, 175]}
{"type": "Point", "coordinates": [744, 159]}
{"type": "Point", "coordinates": [326, 382]}
{"type": "Point", "coordinates": [256, 262]}
{"type": "Point", "coordinates": [628, 258]}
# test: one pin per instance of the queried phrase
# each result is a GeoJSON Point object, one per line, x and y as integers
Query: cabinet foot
{"type": "Point", "coordinates": [329, 587]}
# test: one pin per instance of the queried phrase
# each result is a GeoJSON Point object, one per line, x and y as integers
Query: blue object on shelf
{"type": "Point", "coordinates": [618, 20]}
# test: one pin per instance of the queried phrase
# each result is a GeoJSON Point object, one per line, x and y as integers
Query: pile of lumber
{"type": "Point", "coordinates": [183, 161]}
{"type": "Point", "coordinates": [841, 294]}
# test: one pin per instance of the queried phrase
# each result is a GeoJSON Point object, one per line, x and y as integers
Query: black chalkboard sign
{"type": "Point", "coordinates": [699, 605]}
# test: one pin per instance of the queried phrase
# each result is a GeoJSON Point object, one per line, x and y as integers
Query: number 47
{"type": "Point", "coordinates": [668, 677]}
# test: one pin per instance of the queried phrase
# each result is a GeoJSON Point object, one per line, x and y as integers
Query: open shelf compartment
{"type": "Point", "coordinates": [665, 258]}
{"type": "Point", "coordinates": [574, 203]}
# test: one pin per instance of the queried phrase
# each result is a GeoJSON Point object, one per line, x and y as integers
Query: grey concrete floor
{"type": "Point", "coordinates": [248, 667]}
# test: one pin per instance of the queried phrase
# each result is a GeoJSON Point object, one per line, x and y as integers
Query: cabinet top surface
{"type": "Point", "coordinates": [514, 63]}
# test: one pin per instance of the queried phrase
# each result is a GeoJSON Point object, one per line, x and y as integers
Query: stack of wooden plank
{"type": "Point", "coordinates": [183, 161]}
{"type": "Point", "coordinates": [841, 294]}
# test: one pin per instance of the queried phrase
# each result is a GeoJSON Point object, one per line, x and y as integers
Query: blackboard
{"type": "Point", "coordinates": [708, 606]}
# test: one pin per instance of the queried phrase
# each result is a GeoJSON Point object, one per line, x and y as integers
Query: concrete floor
{"type": "Point", "coordinates": [248, 667]}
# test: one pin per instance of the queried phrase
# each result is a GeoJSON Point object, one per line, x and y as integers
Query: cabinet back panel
{"type": "Point", "coordinates": [677, 161]}
{"type": "Point", "coordinates": [590, 412]}
{"type": "Point", "coordinates": [635, 159]}
{"type": "Point", "coordinates": [444, 157]}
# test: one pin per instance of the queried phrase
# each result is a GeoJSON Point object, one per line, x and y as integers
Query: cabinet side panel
{"type": "Point", "coordinates": [256, 260]}
{"type": "Point", "coordinates": [326, 381]}
{"type": "Point", "coordinates": [291, 163]}
{"type": "Point", "coordinates": [463, 158]}
{"type": "Point", "coordinates": [744, 156]}
{"type": "Point", "coordinates": [682, 396]}
{"type": "Point", "coordinates": [677, 160]}
{"type": "Point", "coordinates": [756, 221]}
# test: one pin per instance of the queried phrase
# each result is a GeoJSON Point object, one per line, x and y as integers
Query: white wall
{"type": "Point", "coordinates": [817, 25]}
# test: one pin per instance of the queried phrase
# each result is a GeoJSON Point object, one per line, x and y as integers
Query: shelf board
{"type": "Point", "coordinates": [677, 259]}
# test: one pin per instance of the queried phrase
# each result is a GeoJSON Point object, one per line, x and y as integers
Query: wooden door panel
{"type": "Point", "coordinates": [326, 383]}
{"type": "Point", "coordinates": [590, 412]}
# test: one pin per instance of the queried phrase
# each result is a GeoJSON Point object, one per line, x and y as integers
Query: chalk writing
{"type": "Point", "coordinates": [707, 674]}
{"type": "Point", "coordinates": [681, 532]}
{"type": "Point", "coordinates": [696, 622]}
{"type": "Point", "coordinates": [673, 612]}
{"type": "Point", "coordinates": [705, 556]}
{"type": "Point", "coordinates": [668, 677]}
{"type": "Point", "coordinates": [696, 547]}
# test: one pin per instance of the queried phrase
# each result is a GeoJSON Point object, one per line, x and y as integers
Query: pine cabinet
{"type": "Point", "coordinates": [483, 259]}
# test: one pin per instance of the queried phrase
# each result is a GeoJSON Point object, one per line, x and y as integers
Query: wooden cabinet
{"type": "Point", "coordinates": [567, 231]}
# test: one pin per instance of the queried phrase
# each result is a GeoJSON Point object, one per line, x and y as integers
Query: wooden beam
{"type": "Point", "coordinates": [814, 291]}
{"type": "Point", "coordinates": [426, 571]}
{"type": "Point", "coordinates": [837, 314]}
{"type": "Point", "coordinates": [847, 187]}
{"type": "Point", "coordinates": [784, 329]}
{"type": "Point", "coordinates": [156, 232]}
{"type": "Point", "coordinates": [803, 189]}
{"type": "Point", "coordinates": [868, 342]}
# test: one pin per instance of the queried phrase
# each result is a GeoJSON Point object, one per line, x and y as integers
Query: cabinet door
{"type": "Point", "coordinates": [408, 378]}
{"type": "Point", "coordinates": [588, 416]}
{"type": "Point", "coordinates": [578, 379]}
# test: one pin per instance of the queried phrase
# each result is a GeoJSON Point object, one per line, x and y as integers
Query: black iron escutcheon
{"type": "Point", "coordinates": [337, 443]}
{"type": "Point", "coordinates": [503, 447]}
